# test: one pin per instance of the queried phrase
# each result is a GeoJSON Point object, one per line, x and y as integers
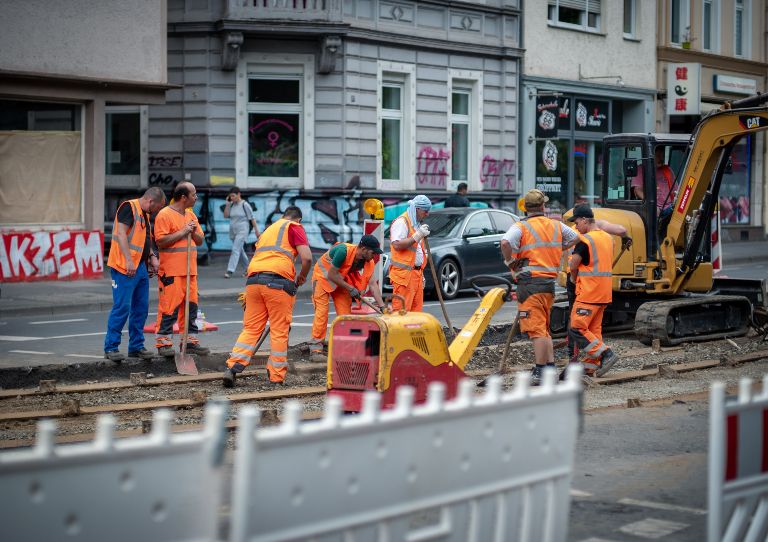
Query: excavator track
{"type": "Point", "coordinates": [700, 318]}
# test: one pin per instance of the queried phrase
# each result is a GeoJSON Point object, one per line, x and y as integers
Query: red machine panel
{"type": "Point", "coordinates": [355, 354]}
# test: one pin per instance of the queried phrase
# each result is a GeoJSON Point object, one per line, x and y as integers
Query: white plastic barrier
{"type": "Point", "coordinates": [157, 487]}
{"type": "Point", "coordinates": [738, 464]}
{"type": "Point", "coordinates": [491, 467]}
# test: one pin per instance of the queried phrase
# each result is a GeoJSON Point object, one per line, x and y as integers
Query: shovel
{"type": "Point", "coordinates": [438, 287]}
{"type": "Point", "coordinates": [513, 331]}
{"type": "Point", "coordinates": [185, 364]}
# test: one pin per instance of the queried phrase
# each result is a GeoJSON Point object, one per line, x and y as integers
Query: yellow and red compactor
{"type": "Point", "coordinates": [385, 351]}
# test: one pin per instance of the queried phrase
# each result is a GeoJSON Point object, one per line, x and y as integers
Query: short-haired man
{"type": "Point", "coordinates": [173, 226]}
{"type": "Point", "coordinates": [532, 249]}
{"type": "Point", "coordinates": [343, 273]}
{"type": "Point", "coordinates": [406, 269]}
{"type": "Point", "coordinates": [591, 270]}
{"type": "Point", "coordinates": [130, 255]}
{"type": "Point", "coordinates": [459, 199]}
{"type": "Point", "coordinates": [270, 294]}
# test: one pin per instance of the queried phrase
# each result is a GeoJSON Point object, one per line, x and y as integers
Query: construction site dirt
{"type": "Point", "coordinates": [76, 394]}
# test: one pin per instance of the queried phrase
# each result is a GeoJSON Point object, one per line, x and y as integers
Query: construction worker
{"type": "Point", "coordinates": [532, 249]}
{"type": "Point", "coordinates": [406, 270]}
{"type": "Point", "coordinates": [591, 270]}
{"type": "Point", "coordinates": [270, 294]}
{"type": "Point", "coordinates": [570, 286]}
{"type": "Point", "coordinates": [131, 262]}
{"type": "Point", "coordinates": [343, 273]}
{"type": "Point", "coordinates": [173, 225]}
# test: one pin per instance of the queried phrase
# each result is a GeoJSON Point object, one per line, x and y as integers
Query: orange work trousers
{"type": "Point", "coordinates": [170, 307]}
{"type": "Point", "coordinates": [534, 315]}
{"type": "Point", "coordinates": [587, 332]}
{"type": "Point", "coordinates": [342, 302]}
{"type": "Point", "coordinates": [263, 304]}
{"type": "Point", "coordinates": [413, 293]}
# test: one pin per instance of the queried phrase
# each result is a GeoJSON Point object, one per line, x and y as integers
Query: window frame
{"type": "Point", "coordinates": [746, 36]}
{"type": "Point", "coordinates": [393, 114]}
{"type": "Point", "coordinates": [584, 26]}
{"type": "Point", "coordinates": [714, 27]}
{"type": "Point", "coordinates": [470, 82]}
{"type": "Point", "coordinates": [632, 34]}
{"type": "Point", "coordinates": [685, 22]}
{"type": "Point", "coordinates": [404, 74]}
{"type": "Point", "coordinates": [269, 66]}
{"type": "Point", "coordinates": [129, 181]}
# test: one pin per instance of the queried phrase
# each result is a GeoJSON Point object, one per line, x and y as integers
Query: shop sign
{"type": "Point", "coordinates": [591, 116]}
{"type": "Point", "coordinates": [735, 85]}
{"type": "Point", "coordinates": [547, 108]}
{"type": "Point", "coordinates": [564, 114]}
{"type": "Point", "coordinates": [684, 89]}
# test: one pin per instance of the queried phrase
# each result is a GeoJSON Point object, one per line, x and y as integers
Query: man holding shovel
{"type": "Point", "coordinates": [173, 225]}
{"type": "Point", "coordinates": [406, 270]}
{"type": "Point", "coordinates": [343, 273]}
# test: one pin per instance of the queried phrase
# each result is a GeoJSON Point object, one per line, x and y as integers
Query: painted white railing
{"type": "Point", "coordinates": [294, 10]}
{"type": "Point", "coordinates": [157, 487]}
{"type": "Point", "coordinates": [738, 464]}
{"type": "Point", "coordinates": [490, 467]}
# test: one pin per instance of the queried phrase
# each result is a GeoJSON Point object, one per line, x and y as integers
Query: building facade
{"type": "Point", "coordinates": [323, 103]}
{"type": "Point", "coordinates": [589, 70]}
{"type": "Point", "coordinates": [709, 52]}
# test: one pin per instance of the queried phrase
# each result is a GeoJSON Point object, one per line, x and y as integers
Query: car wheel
{"type": "Point", "coordinates": [449, 276]}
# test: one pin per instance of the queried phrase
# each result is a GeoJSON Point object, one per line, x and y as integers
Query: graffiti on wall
{"type": "Point", "coordinates": [43, 255]}
{"type": "Point", "coordinates": [497, 174]}
{"type": "Point", "coordinates": [432, 167]}
{"type": "Point", "coordinates": [163, 168]}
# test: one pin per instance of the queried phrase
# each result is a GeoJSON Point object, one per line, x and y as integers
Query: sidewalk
{"type": "Point", "coordinates": [62, 297]}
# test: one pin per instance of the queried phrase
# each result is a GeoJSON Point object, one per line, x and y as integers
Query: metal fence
{"type": "Point", "coordinates": [738, 464]}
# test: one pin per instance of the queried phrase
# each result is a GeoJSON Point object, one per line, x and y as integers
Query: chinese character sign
{"type": "Point", "coordinates": [683, 89]}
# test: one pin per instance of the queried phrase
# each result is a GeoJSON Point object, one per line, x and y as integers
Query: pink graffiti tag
{"type": "Point", "coordinates": [497, 173]}
{"type": "Point", "coordinates": [432, 167]}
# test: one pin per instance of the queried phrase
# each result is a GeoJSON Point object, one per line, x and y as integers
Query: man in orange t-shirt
{"type": "Point", "coordinates": [172, 227]}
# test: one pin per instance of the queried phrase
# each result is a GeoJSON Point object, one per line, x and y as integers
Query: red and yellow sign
{"type": "Point", "coordinates": [686, 194]}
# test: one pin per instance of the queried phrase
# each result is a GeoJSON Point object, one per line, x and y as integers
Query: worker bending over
{"type": "Point", "coordinates": [343, 273]}
{"type": "Point", "coordinates": [173, 226]}
{"type": "Point", "coordinates": [532, 249]}
{"type": "Point", "coordinates": [591, 270]}
{"type": "Point", "coordinates": [406, 269]}
{"type": "Point", "coordinates": [270, 294]}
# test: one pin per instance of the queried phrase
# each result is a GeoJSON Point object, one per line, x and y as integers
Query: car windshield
{"type": "Point", "coordinates": [444, 225]}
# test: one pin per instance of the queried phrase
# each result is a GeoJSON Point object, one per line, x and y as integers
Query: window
{"type": "Point", "coordinates": [679, 22]}
{"type": "Point", "coordinates": [460, 135]}
{"type": "Point", "coordinates": [275, 136]}
{"type": "Point", "coordinates": [711, 26]}
{"type": "Point", "coordinates": [396, 126]}
{"type": "Point", "coordinates": [391, 131]}
{"type": "Point", "coordinates": [479, 224]}
{"type": "Point", "coordinates": [630, 19]}
{"type": "Point", "coordinates": [577, 14]}
{"type": "Point", "coordinates": [618, 184]}
{"type": "Point", "coordinates": [741, 31]}
{"type": "Point", "coordinates": [503, 221]}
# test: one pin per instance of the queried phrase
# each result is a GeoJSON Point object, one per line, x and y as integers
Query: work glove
{"type": "Point", "coordinates": [626, 242]}
{"type": "Point", "coordinates": [421, 232]}
{"type": "Point", "coordinates": [355, 293]}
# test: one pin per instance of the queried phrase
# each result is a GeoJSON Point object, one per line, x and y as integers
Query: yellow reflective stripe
{"type": "Point", "coordinates": [402, 266]}
{"type": "Point", "coordinates": [239, 356]}
{"type": "Point", "coordinates": [273, 363]}
{"type": "Point", "coordinates": [539, 268]}
{"type": "Point", "coordinates": [594, 261]}
{"type": "Point", "coordinates": [135, 248]}
{"type": "Point", "coordinates": [246, 347]}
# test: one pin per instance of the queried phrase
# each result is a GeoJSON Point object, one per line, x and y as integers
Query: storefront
{"type": "Point", "coordinates": [564, 126]}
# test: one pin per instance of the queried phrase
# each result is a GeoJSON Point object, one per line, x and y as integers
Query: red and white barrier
{"type": "Point", "coordinates": [44, 255]}
{"type": "Point", "coordinates": [738, 464]}
{"type": "Point", "coordinates": [717, 247]}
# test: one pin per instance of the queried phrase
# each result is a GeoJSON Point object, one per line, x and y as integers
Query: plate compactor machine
{"type": "Point", "coordinates": [385, 351]}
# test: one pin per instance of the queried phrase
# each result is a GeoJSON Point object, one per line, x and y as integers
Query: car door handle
{"type": "Point", "coordinates": [497, 243]}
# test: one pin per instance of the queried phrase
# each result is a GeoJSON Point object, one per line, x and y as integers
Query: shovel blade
{"type": "Point", "coordinates": [185, 364]}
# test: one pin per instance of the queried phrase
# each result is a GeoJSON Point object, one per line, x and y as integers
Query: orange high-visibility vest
{"type": "Point", "coordinates": [593, 285]}
{"type": "Point", "coordinates": [274, 253]}
{"type": "Point", "coordinates": [542, 244]}
{"type": "Point", "coordinates": [359, 279]}
{"type": "Point", "coordinates": [403, 260]}
{"type": "Point", "coordinates": [137, 235]}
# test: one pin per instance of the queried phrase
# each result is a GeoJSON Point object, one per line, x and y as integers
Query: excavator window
{"type": "Point", "coordinates": [620, 158]}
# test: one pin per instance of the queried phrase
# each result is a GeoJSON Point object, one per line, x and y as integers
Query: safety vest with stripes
{"type": "Point", "coordinates": [274, 253]}
{"type": "Point", "coordinates": [593, 284]}
{"type": "Point", "coordinates": [541, 244]}
{"type": "Point", "coordinates": [137, 235]}
{"type": "Point", "coordinates": [403, 261]}
{"type": "Point", "coordinates": [358, 278]}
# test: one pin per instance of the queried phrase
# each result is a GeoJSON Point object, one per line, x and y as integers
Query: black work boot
{"type": "Point", "coordinates": [115, 356]}
{"type": "Point", "coordinates": [536, 374]}
{"type": "Point", "coordinates": [141, 354]}
{"type": "Point", "coordinates": [230, 374]}
{"type": "Point", "coordinates": [607, 360]}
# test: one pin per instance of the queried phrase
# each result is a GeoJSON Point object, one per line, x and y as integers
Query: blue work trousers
{"type": "Point", "coordinates": [130, 296]}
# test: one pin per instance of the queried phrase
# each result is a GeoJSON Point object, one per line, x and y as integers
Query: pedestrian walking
{"type": "Point", "coordinates": [591, 270]}
{"type": "Point", "coordinates": [270, 294]}
{"type": "Point", "coordinates": [240, 216]}
{"type": "Point", "coordinates": [532, 249]}
{"type": "Point", "coordinates": [459, 199]}
{"type": "Point", "coordinates": [131, 261]}
{"type": "Point", "coordinates": [176, 231]}
{"type": "Point", "coordinates": [406, 270]}
{"type": "Point", "coordinates": [343, 273]}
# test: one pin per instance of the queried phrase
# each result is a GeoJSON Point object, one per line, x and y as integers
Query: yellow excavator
{"type": "Point", "coordinates": [664, 284]}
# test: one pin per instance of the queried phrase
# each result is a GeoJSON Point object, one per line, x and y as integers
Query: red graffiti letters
{"type": "Point", "coordinates": [42, 255]}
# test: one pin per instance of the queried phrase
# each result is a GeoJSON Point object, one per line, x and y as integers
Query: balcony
{"type": "Point", "coordinates": [284, 10]}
